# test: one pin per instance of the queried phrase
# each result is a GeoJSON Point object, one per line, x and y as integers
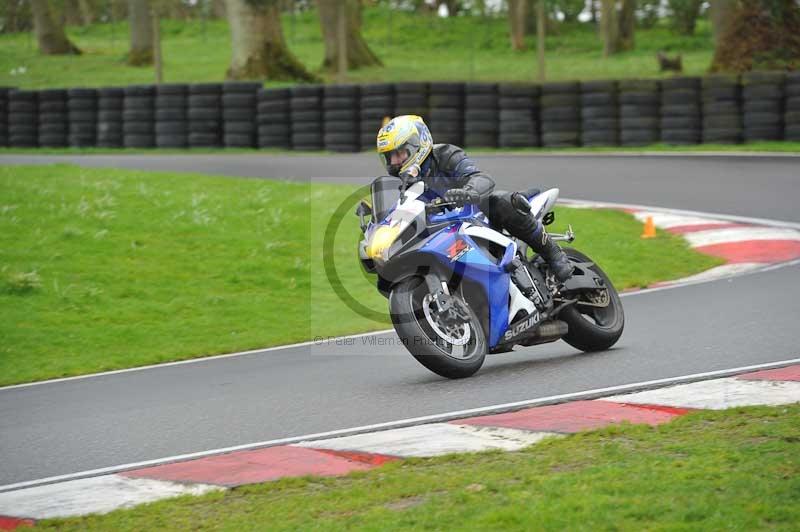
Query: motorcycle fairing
{"type": "Point", "coordinates": [474, 265]}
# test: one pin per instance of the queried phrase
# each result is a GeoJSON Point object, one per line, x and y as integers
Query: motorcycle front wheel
{"type": "Point", "coordinates": [451, 348]}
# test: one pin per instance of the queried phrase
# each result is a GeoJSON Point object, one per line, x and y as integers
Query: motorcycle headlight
{"type": "Point", "coordinates": [383, 237]}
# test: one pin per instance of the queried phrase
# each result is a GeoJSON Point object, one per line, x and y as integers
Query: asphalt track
{"type": "Point", "coordinates": [71, 426]}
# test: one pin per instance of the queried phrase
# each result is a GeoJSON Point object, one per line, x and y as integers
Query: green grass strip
{"type": "Point", "coordinates": [103, 269]}
{"type": "Point", "coordinates": [463, 48]}
{"type": "Point", "coordinates": [737, 469]}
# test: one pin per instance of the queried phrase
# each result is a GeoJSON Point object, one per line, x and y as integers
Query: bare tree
{"type": "Point", "coordinates": [139, 18]}
{"type": "Point", "coordinates": [517, 18]}
{"type": "Point", "coordinates": [358, 52]}
{"type": "Point", "coordinates": [259, 49]}
{"type": "Point", "coordinates": [49, 34]}
{"type": "Point", "coordinates": [759, 35]}
{"type": "Point", "coordinates": [617, 23]}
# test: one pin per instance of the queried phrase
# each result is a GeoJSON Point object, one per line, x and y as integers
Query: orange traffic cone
{"type": "Point", "coordinates": [649, 228]}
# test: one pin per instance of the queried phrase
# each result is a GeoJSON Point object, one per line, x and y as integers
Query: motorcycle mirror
{"type": "Point", "coordinates": [363, 209]}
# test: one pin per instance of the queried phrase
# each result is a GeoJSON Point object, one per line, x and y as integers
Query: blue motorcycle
{"type": "Point", "coordinates": [458, 289]}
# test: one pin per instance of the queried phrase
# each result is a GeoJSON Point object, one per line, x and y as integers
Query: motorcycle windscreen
{"type": "Point", "coordinates": [385, 192]}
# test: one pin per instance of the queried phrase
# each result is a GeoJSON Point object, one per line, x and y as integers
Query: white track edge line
{"type": "Point", "coordinates": [447, 416]}
{"type": "Point", "coordinates": [700, 214]}
{"type": "Point", "coordinates": [677, 284]}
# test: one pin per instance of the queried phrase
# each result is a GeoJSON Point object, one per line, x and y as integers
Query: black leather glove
{"type": "Point", "coordinates": [462, 196]}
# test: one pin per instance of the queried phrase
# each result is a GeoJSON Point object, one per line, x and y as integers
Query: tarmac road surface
{"type": "Point", "coordinates": [66, 427]}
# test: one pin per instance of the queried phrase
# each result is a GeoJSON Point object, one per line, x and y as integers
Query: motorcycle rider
{"type": "Point", "coordinates": [406, 149]}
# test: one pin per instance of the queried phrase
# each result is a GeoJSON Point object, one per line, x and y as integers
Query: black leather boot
{"type": "Point", "coordinates": [554, 255]}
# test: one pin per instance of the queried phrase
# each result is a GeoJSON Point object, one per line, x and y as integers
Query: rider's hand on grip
{"type": "Point", "coordinates": [461, 196]}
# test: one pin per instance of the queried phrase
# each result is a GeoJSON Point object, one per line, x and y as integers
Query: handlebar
{"type": "Point", "coordinates": [439, 204]}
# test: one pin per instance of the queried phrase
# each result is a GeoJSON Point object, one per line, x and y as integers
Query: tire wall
{"type": "Point", "coordinates": [4, 116]}
{"type": "Point", "coordinates": [757, 106]}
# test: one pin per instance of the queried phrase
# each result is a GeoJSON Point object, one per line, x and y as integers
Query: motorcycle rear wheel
{"type": "Point", "coordinates": [420, 336]}
{"type": "Point", "coordinates": [592, 328]}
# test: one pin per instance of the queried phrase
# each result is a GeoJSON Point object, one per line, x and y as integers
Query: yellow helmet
{"type": "Point", "coordinates": [406, 133]}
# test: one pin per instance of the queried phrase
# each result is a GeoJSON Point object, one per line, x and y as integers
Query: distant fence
{"type": "Point", "coordinates": [345, 118]}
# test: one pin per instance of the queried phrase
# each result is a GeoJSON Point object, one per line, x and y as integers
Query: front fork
{"type": "Point", "coordinates": [447, 306]}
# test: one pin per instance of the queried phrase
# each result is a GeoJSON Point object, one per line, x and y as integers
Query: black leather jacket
{"type": "Point", "coordinates": [449, 167]}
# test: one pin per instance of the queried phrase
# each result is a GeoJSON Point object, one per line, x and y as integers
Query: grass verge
{"type": "Point", "coordinates": [710, 470]}
{"type": "Point", "coordinates": [104, 269]}
{"type": "Point", "coordinates": [465, 48]}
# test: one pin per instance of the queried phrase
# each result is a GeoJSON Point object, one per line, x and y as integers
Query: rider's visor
{"type": "Point", "coordinates": [393, 160]}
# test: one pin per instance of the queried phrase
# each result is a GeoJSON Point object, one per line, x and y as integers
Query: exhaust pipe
{"type": "Point", "coordinates": [549, 331]}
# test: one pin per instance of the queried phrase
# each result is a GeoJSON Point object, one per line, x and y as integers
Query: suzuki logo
{"type": "Point", "coordinates": [532, 320]}
{"type": "Point", "coordinates": [457, 250]}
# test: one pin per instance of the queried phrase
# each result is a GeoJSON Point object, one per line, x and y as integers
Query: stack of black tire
{"type": "Point", "coordinates": [239, 114]}
{"type": "Point", "coordinates": [791, 117]}
{"type": "Point", "coordinates": [82, 106]}
{"type": "Point", "coordinates": [518, 106]}
{"type": "Point", "coordinates": [560, 114]}
{"type": "Point", "coordinates": [599, 113]}
{"type": "Point", "coordinates": [171, 119]}
{"type": "Point", "coordinates": [762, 105]}
{"type": "Point", "coordinates": [681, 111]}
{"type": "Point", "coordinates": [23, 121]}
{"type": "Point", "coordinates": [341, 118]}
{"type": "Point", "coordinates": [138, 114]}
{"type": "Point", "coordinates": [274, 128]}
{"type": "Point", "coordinates": [639, 112]}
{"type": "Point", "coordinates": [305, 102]}
{"type": "Point", "coordinates": [110, 103]}
{"type": "Point", "coordinates": [205, 115]}
{"type": "Point", "coordinates": [377, 103]}
{"type": "Point", "coordinates": [481, 120]}
{"type": "Point", "coordinates": [411, 99]}
{"type": "Point", "coordinates": [4, 115]}
{"type": "Point", "coordinates": [446, 115]}
{"type": "Point", "coordinates": [53, 118]}
{"type": "Point", "coordinates": [722, 112]}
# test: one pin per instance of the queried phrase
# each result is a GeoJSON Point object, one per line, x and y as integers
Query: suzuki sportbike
{"type": "Point", "coordinates": [459, 289]}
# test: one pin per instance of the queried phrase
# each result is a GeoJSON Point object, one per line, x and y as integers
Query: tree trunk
{"type": "Point", "coordinates": [721, 13]}
{"type": "Point", "coordinates": [70, 13]}
{"type": "Point", "coordinates": [684, 15]}
{"type": "Point", "coordinates": [50, 36]}
{"type": "Point", "coordinates": [453, 6]}
{"type": "Point", "coordinates": [10, 15]}
{"type": "Point", "coordinates": [141, 52]}
{"type": "Point", "coordinates": [259, 49]}
{"type": "Point", "coordinates": [358, 53]}
{"type": "Point", "coordinates": [87, 12]}
{"type": "Point", "coordinates": [530, 18]}
{"type": "Point", "coordinates": [517, 15]}
{"type": "Point", "coordinates": [617, 22]}
{"type": "Point", "coordinates": [541, 25]}
{"type": "Point", "coordinates": [218, 9]}
{"type": "Point", "coordinates": [609, 27]}
{"type": "Point", "coordinates": [760, 35]}
{"type": "Point", "coordinates": [627, 24]}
